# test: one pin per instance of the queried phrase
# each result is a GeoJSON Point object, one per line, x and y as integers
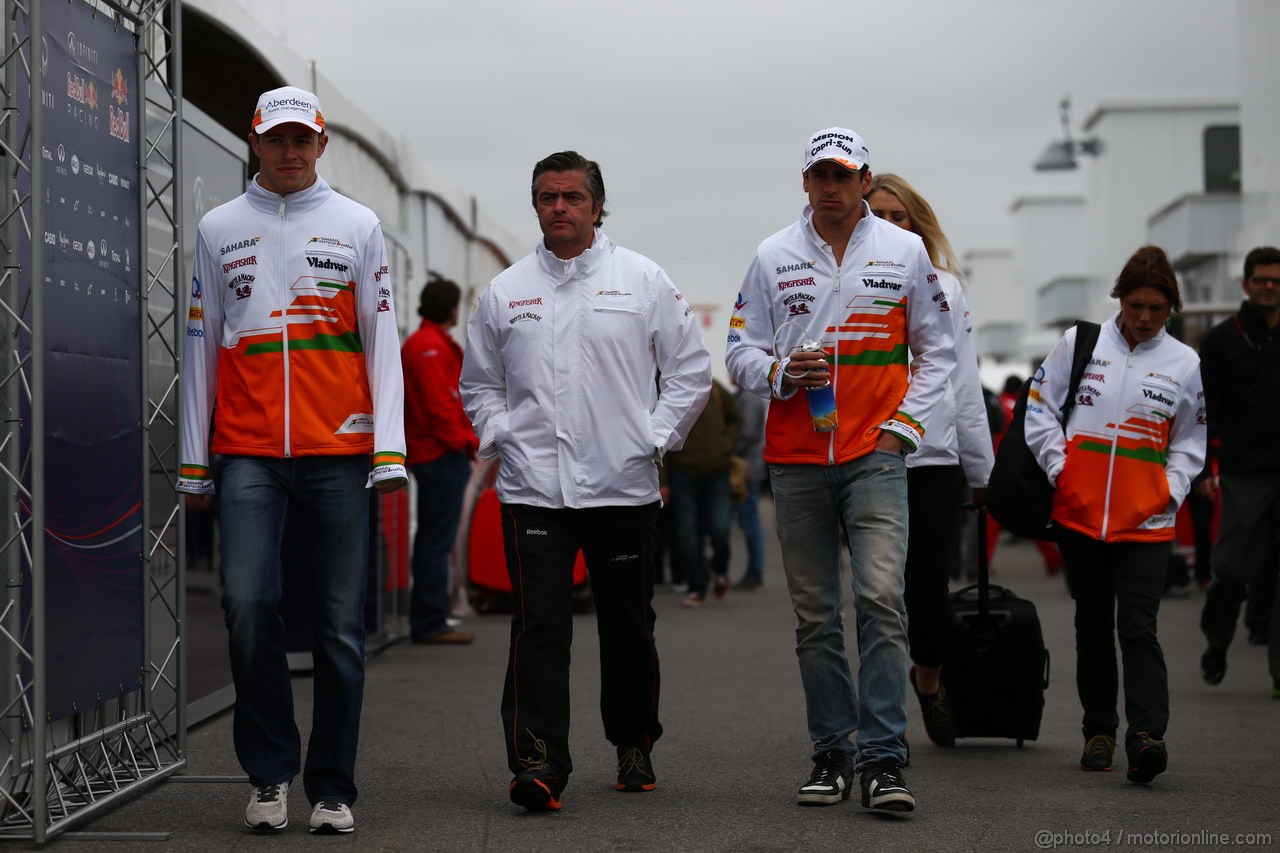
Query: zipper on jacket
{"type": "Point", "coordinates": [283, 290]}
{"type": "Point", "coordinates": [831, 437]}
{"type": "Point", "coordinates": [1115, 439]}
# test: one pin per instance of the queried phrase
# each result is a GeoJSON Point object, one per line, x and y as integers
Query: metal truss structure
{"type": "Point", "coordinates": [56, 773]}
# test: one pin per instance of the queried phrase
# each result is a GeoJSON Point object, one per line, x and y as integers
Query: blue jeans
{"type": "Point", "coordinates": [701, 504]}
{"type": "Point", "coordinates": [868, 496]}
{"type": "Point", "coordinates": [748, 513]}
{"type": "Point", "coordinates": [328, 493]}
{"type": "Point", "coordinates": [441, 485]}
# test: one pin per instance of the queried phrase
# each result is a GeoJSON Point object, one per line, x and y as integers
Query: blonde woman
{"type": "Point", "coordinates": [956, 448]}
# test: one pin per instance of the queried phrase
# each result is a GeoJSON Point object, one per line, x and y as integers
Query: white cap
{"type": "Point", "coordinates": [839, 144]}
{"type": "Point", "coordinates": [288, 104]}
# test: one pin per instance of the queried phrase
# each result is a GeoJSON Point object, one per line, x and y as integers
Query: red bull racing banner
{"type": "Point", "coordinates": [84, 64]}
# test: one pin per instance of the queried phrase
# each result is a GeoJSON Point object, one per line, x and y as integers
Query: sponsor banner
{"type": "Point", "coordinates": [85, 69]}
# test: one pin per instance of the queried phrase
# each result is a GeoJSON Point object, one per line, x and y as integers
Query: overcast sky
{"type": "Point", "coordinates": [697, 111]}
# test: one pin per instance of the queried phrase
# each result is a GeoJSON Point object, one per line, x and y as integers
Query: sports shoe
{"type": "Point", "coordinates": [635, 770]}
{"type": "Point", "coordinates": [1097, 753]}
{"type": "Point", "coordinates": [748, 584]}
{"type": "Point", "coordinates": [883, 788]}
{"type": "Point", "coordinates": [1147, 758]}
{"type": "Point", "coordinates": [830, 782]}
{"type": "Point", "coordinates": [1213, 666]}
{"type": "Point", "coordinates": [533, 790]}
{"type": "Point", "coordinates": [449, 637]}
{"type": "Point", "coordinates": [693, 599]}
{"type": "Point", "coordinates": [332, 819]}
{"type": "Point", "coordinates": [268, 808]}
{"type": "Point", "coordinates": [721, 586]}
{"type": "Point", "coordinates": [939, 722]}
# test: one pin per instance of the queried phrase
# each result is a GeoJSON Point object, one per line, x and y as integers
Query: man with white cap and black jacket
{"type": "Point", "coordinates": [831, 305]}
{"type": "Point", "coordinates": [292, 332]}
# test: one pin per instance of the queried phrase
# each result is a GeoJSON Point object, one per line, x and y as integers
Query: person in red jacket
{"type": "Point", "coordinates": [441, 445]}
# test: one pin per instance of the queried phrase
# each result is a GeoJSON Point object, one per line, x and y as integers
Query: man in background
{"type": "Point", "coordinates": [441, 446]}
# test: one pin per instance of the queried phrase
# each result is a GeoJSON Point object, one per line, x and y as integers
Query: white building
{"type": "Point", "coordinates": [1197, 174]}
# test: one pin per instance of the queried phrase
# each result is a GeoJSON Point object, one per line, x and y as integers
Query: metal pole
{"type": "Point", "coordinates": [179, 335]}
{"type": "Point", "coordinates": [39, 725]}
{"type": "Point", "coordinates": [144, 434]}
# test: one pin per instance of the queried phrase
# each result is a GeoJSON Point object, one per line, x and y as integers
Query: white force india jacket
{"type": "Point", "coordinates": [1134, 441]}
{"type": "Point", "coordinates": [882, 318]}
{"type": "Point", "coordinates": [958, 432]}
{"type": "Point", "coordinates": [292, 328]}
{"type": "Point", "coordinates": [561, 376]}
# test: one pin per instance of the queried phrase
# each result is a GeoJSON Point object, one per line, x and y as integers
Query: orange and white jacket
{"type": "Point", "coordinates": [1135, 438]}
{"type": "Point", "coordinates": [292, 329]}
{"type": "Point", "coordinates": [881, 301]}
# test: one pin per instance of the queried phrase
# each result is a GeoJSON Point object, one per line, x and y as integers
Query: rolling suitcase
{"type": "Point", "coordinates": [997, 666]}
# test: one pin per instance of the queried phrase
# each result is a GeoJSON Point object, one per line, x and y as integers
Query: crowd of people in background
{"type": "Point", "coordinates": [856, 406]}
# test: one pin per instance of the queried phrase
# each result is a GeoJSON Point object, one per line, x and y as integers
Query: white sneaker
{"type": "Point", "coordinates": [329, 818]}
{"type": "Point", "coordinates": [268, 808]}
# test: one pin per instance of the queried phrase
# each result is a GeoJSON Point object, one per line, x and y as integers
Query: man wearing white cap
{"type": "Point", "coordinates": [858, 292]}
{"type": "Point", "coordinates": [291, 331]}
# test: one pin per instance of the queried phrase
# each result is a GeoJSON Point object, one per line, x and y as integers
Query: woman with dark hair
{"type": "Point", "coordinates": [1122, 464]}
{"type": "Point", "coordinates": [956, 452]}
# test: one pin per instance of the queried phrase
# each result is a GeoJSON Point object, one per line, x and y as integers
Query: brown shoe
{"type": "Point", "coordinates": [450, 637]}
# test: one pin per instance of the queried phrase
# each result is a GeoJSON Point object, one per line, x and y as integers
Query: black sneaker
{"type": "Point", "coordinates": [536, 790]}
{"type": "Point", "coordinates": [883, 788]}
{"type": "Point", "coordinates": [939, 722]}
{"type": "Point", "coordinates": [635, 770]}
{"type": "Point", "coordinates": [1147, 758]}
{"type": "Point", "coordinates": [1097, 753]}
{"type": "Point", "coordinates": [1213, 666]}
{"type": "Point", "coordinates": [830, 782]}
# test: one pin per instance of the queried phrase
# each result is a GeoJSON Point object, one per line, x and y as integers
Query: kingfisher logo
{"type": "Point", "coordinates": [326, 264]}
{"type": "Point", "coordinates": [523, 303]}
{"type": "Point", "coordinates": [796, 282]}
{"type": "Point", "coordinates": [250, 261]}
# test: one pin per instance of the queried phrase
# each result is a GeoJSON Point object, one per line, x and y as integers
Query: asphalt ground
{"type": "Point", "coordinates": [433, 773]}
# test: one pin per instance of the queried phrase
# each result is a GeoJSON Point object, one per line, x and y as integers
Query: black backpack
{"type": "Point", "coordinates": [1018, 493]}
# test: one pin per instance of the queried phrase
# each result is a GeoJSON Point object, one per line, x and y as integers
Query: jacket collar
{"type": "Point", "coordinates": [1112, 329]}
{"type": "Point", "coordinates": [1251, 318]}
{"type": "Point", "coordinates": [865, 224]}
{"type": "Point", "coordinates": [301, 201]}
{"type": "Point", "coordinates": [561, 271]}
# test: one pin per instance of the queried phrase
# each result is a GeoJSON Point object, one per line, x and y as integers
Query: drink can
{"type": "Point", "coordinates": [822, 401]}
